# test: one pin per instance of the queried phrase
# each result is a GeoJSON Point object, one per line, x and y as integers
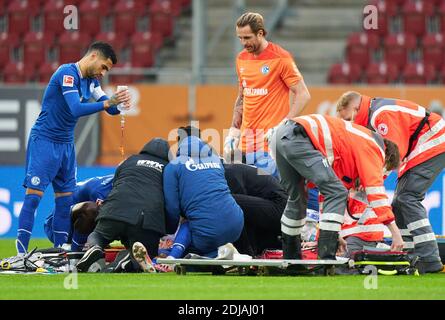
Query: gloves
{"type": "Point", "coordinates": [232, 141]}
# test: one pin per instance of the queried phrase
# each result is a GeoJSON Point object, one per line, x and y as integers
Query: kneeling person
{"type": "Point", "coordinates": [134, 209]}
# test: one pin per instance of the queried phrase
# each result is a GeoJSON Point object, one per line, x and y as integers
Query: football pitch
{"type": "Point", "coordinates": [208, 287]}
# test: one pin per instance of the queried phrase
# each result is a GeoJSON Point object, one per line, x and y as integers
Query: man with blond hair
{"type": "Point", "coordinates": [271, 89]}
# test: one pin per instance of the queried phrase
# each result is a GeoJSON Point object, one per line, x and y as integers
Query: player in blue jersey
{"type": "Point", "coordinates": [50, 154]}
{"type": "Point", "coordinates": [94, 189]}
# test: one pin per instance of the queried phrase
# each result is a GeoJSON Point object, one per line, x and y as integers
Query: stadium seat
{"type": "Point", "coordinates": [415, 15]}
{"type": "Point", "coordinates": [127, 13]}
{"type": "Point", "coordinates": [418, 73]}
{"type": "Point", "coordinates": [397, 47]}
{"type": "Point", "coordinates": [442, 74]}
{"type": "Point", "coordinates": [124, 79]}
{"type": "Point", "coordinates": [381, 73]}
{"type": "Point", "coordinates": [19, 16]}
{"type": "Point", "coordinates": [14, 72]}
{"type": "Point", "coordinates": [8, 41]}
{"type": "Point", "coordinates": [91, 14]}
{"type": "Point", "coordinates": [344, 73]}
{"type": "Point", "coordinates": [72, 46]}
{"type": "Point", "coordinates": [116, 40]}
{"type": "Point", "coordinates": [386, 11]}
{"type": "Point", "coordinates": [161, 18]}
{"type": "Point", "coordinates": [36, 45]}
{"type": "Point", "coordinates": [144, 46]}
{"type": "Point", "coordinates": [54, 17]}
{"type": "Point", "coordinates": [359, 47]}
{"type": "Point", "coordinates": [45, 71]}
{"type": "Point", "coordinates": [441, 12]}
{"type": "Point", "coordinates": [433, 49]}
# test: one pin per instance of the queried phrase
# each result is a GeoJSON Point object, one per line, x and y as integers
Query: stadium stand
{"type": "Point", "coordinates": [33, 39]}
{"type": "Point", "coordinates": [410, 46]}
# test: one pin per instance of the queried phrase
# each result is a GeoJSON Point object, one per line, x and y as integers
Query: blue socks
{"type": "Point", "coordinates": [78, 241]}
{"type": "Point", "coordinates": [26, 222]}
{"type": "Point", "coordinates": [62, 220]}
{"type": "Point", "coordinates": [182, 241]}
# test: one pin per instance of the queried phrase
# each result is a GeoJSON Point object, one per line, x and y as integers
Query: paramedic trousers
{"type": "Point", "coordinates": [298, 161]}
{"type": "Point", "coordinates": [411, 216]}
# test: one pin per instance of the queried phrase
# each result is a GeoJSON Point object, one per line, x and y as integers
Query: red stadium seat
{"type": "Point", "coordinates": [144, 46]}
{"type": "Point", "coordinates": [54, 16]}
{"type": "Point", "coordinates": [16, 73]}
{"type": "Point", "coordinates": [418, 73]}
{"type": "Point", "coordinates": [36, 45]}
{"type": "Point", "coordinates": [441, 12]}
{"type": "Point", "coordinates": [386, 11]}
{"type": "Point", "coordinates": [116, 40]}
{"type": "Point", "coordinates": [381, 73]}
{"type": "Point", "coordinates": [126, 15]}
{"type": "Point", "coordinates": [91, 14]}
{"type": "Point", "coordinates": [359, 47]}
{"type": "Point", "coordinates": [344, 73]}
{"type": "Point", "coordinates": [415, 14]}
{"type": "Point", "coordinates": [19, 16]}
{"type": "Point", "coordinates": [162, 18]}
{"type": "Point", "coordinates": [8, 41]}
{"type": "Point", "coordinates": [124, 79]}
{"type": "Point", "coordinates": [397, 48]}
{"type": "Point", "coordinates": [433, 49]}
{"type": "Point", "coordinates": [45, 71]}
{"type": "Point", "coordinates": [72, 46]}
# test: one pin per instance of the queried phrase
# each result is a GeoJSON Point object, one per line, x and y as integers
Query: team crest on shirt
{"type": "Point", "coordinates": [68, 81]}
{"type": "Point", "coordinates": [35, 181]}
{"type": "Point", "coordinates": [382, 128]}
{"type": "Point", "coordinates": [265, 69]}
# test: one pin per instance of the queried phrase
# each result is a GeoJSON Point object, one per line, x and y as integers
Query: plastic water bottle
{"type": "Point", "coordinates": [121, 106]}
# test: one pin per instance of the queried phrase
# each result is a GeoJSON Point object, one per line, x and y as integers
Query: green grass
{"type": "Point", "coordinates": [208, 287]}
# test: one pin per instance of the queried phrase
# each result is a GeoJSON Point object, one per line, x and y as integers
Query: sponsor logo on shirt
{"type": "Point", "coordinates": [150, 164]}
{"type": "Point", "coordinates": [265, 69]}
{"type": "Point", "coordinates": [255, 91]}
{"type": "Point", "coordinates": [192, 166]}
{"type": "Point", "coordinates": [35, 181]}
{"type": "Point", "coordinates": [382, 128]}
{"type": "Point", "coordinates": [68, 81]}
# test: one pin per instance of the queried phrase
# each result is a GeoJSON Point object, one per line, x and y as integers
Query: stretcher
{"type": "Point", "coordinates": [256, 266]}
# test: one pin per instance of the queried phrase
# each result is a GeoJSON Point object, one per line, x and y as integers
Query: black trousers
{"type": "Point", "coordinates": [262, 226]}
{"type": "Point", "coordinates": [108, 230]}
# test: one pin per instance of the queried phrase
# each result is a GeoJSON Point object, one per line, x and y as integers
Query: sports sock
{"type": "Point", "coordinates": [26, 222]}
{"type": "Point", "coordinates": [62, 220]}
{"type": "Point", "coordinates": [78, 241]}
{"type": "Point", "coordinates": [182, 241]}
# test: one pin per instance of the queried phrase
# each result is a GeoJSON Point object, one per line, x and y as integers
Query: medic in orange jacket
{"type": "Point", "coordinates": [361, 221]}
{"type": "Point", "coordinates": [354, 153]}
{"type": "Point", "coordinates": [397, 120]}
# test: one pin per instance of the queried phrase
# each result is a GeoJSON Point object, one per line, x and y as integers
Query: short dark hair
{"type": "Point", "coordinates": [83, 216]}
{"type": "Point", "coordinates": [105, 49]}
{"type": "Point", "coordinates": [392, 155]}
{"type": "Point", "coordinates": [188, 131]}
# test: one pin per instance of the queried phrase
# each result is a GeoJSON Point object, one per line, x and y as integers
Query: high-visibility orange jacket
{"type": "Point", "coordinates": [354, 152]}
{"type": "Point", "coordinates": [361, 221]}
{"type": "Point", "coordinates": [397, 120]}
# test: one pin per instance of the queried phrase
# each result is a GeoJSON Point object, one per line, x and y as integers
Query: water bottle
{"type": "Point", "coordinates": [121, 106]}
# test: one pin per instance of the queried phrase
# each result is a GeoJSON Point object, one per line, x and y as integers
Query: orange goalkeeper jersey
{"type": "Point", "coordinates": [265, 80]}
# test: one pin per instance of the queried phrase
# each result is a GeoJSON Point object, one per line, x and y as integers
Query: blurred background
{"type": "Point", "coordinates": [178, 59]}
